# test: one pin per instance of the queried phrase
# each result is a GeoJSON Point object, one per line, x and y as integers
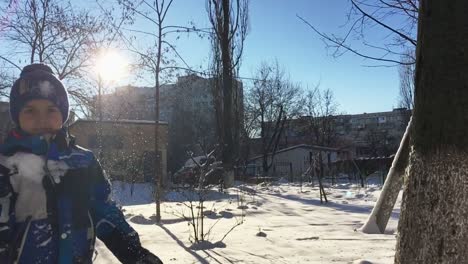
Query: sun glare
{"type": "Point", "coordinates": [111, 66]}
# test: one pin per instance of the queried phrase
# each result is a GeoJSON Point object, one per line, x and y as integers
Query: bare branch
{"type": "Point", "coordinates": [412, 41]}
{"type": "Point", "coordinates": [347, 47]}
{"type": "Point", "coordinates": [10, 62]}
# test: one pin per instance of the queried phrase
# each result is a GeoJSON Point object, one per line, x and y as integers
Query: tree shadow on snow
{"type": "Point", "coordinates": [216, 215]}
{"type": "Point", "coordinates": [360, 209]}
{"type": "Point", "coordinates": [221, 256]}
{"type": "Point", "coordinates": [186, 195]}
{"type": "Point", "coordinates": [141, 220]}
{"type": "Point", "coordinates": [207, 247]}
{"type": "Point", "coordinates": [199, 258]}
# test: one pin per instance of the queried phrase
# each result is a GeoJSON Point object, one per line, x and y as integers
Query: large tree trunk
{"type": "Point", "coordinates": [228, 142]}
{"type": "Point", "coordinates": [157, 163]}
{"type": "Point", "coordinates": [433, 225]}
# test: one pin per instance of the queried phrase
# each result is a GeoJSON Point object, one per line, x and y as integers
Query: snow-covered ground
{"type": "Point", "coordinates": [283, 223]}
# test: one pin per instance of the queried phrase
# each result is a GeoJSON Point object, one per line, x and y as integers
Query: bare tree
{"type": "Point", "coordinates": [319, 124]}
{"type": "Point", "coordinates": [53, 32]}
{"type": "Point", "coordinates": [6, 81]}
{"type": "Point", "coordinates": [397, 18]}
{"type": "Point", "coordinates": [229, 21]}
{"type": "Point", "coordinates": [152, 60]}
{"type": "Point", "coordinates": [319, 109]}
{"type": "Point", "coordinates": [197, 198]}
{"type": "Point", "coordinates": [406, 93]}
{"type": "Point", "coordinates": [271, 101]}
{"type": "Point", "coordinates": [329, 108]}
{"type": "Point", "coordinates": [157, 59]}
{"type": "Point", "coordinates": [248, 131]}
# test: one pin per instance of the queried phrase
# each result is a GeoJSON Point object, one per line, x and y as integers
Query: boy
{"type": "Point", "coordinates": [54, 197]}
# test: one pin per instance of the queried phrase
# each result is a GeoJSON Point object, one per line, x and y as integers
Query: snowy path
{"type": "Point", "coordinates": [298, 228]}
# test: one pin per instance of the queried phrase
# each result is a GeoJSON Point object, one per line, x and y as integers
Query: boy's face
{"type": "Point", "coordinates": [40, 116]}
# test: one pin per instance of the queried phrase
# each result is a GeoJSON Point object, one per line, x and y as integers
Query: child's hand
{"type": "Point", "coordinates": [148, 258]}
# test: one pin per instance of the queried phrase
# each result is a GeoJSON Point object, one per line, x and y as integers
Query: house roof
{"type": "Point", "coordinates": [305, 146]}
{"type": "Point", "coordinates": [120, 121]}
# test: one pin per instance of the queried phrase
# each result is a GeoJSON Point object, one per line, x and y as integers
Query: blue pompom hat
{"type": "Point", "coordinates": [37, 81]}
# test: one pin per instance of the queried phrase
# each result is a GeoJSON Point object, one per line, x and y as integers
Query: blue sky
{"type": "Point", "coordinates": [277, 34]}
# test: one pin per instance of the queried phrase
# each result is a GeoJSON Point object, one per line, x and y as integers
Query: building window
{"type": "Point", "coordinates": [382, 119]}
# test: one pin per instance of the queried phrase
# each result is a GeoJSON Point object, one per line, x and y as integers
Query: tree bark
{"type": "Point", "coordinates": [320, 180]}
{"type": "Point", "coordinates": [433, 226]}
{"type": "Point", "coordinates": [227, 88]}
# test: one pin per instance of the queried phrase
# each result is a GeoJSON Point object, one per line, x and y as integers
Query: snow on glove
{"type": "Point", "coordinates": [57, 169]}
{"type": "Point", "coordinates": [148, 258]}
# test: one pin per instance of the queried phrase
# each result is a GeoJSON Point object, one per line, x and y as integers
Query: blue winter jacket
{"type": "Point", "coordinates": [78, 208]}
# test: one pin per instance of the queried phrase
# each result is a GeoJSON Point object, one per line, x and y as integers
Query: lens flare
{"type": "Point", "coordinates": [111, 66]}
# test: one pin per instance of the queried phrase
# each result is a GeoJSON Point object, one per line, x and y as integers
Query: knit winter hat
{"type": "Point", "coordinates": [37, 81]}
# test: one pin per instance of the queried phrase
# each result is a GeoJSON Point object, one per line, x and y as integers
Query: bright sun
{"type": "Point", "coordinates": [111, 66]}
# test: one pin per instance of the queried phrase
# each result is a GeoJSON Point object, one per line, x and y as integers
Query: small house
{"type": "Point", "coordinates": [292, 162]}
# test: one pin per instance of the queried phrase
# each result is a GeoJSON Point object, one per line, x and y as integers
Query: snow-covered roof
{"type": "Point", "coordinates": [190, 163]}
{"type": "Point", "coordinates": [305, 146]}
{"type": "Point", "coordinates": [122, 121]}
{"type": "Point", "coordinates": [376, 158]}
